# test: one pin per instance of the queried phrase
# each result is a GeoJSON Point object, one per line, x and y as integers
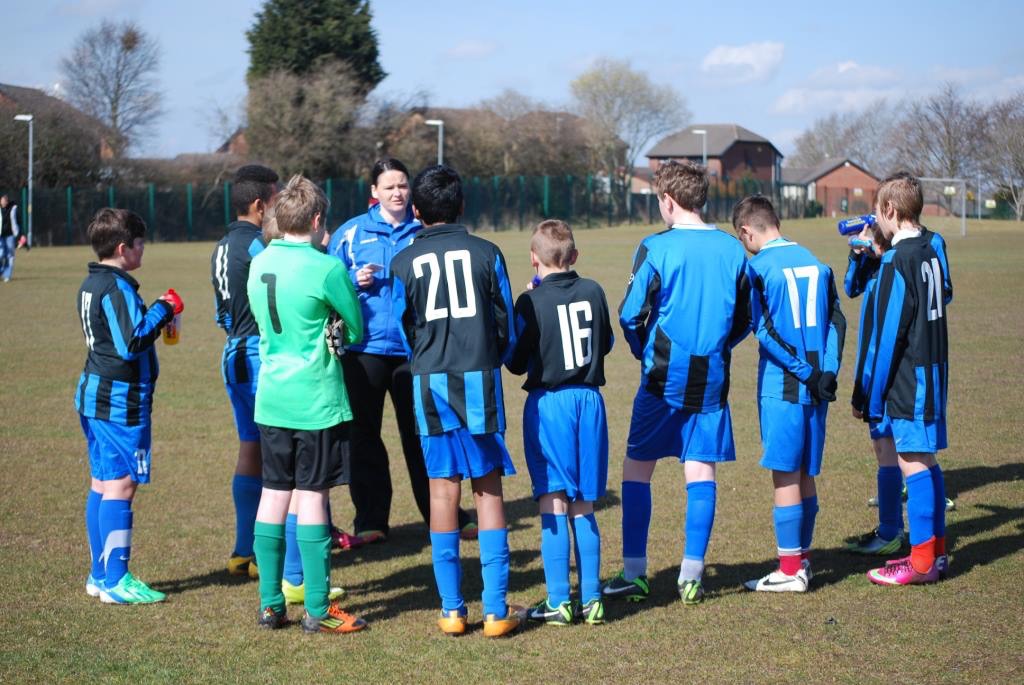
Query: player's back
{"type": "Point", "coordinates": [229, 273]}
{"type": "Point", "coordinates": [457, 319]}
{"type": "Point", "coordinates": [685, 307]}
{"type": "Point", "coordinates": [563, 333]}
{"type": "Point", "coordinates": [793, 305]}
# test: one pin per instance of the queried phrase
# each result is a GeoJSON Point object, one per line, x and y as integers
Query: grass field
{"type": "Point", "coordinates": [966, 629]}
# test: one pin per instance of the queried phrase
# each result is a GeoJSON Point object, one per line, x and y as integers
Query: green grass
{"type": "Point", "coordinates": [967, 629]}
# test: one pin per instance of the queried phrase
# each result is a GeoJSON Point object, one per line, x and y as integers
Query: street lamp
{"type": "Point", "coordinates": [440, 137]}
{"type": "Point", "coordinates": [28, 118]}
{"type": "Point", "coordinates": [703, 145]}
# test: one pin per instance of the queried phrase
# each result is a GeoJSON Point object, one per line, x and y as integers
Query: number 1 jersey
{"type": "Point", "coordinates": [457, 321]}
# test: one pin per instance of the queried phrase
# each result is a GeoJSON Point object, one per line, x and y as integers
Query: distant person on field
{"type": "Point", "coordinates": [686, 306]}
{"type": "Point", "coordinates": [801, 329]}
{"type": "Point", "coordinates": [458, 322]}
{"type": "Point", "coordinates": [115, 398]}
{"type": "Point", "coordinates": [302, 409]}
{"type": "Point", "coordinates": [903, 375]}
{"type": "Point", "coordinates": [9, 231]}
{"type": "Point", "coordinates": [379, 365]}
{"type": "Point", "coordinates": [563, 334]}
{"type": "Point", "coordinates": [862, 269]}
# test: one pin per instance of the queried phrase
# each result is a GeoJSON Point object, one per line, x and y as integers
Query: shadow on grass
{"type": "Point", "coordinates": [959, 481]}
{"type": "Point", "coordinates": [218, 578]}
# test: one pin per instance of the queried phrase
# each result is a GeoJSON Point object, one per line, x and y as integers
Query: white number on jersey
{"type": "Point", "coordinates": [932, 276]}
{"type": "Point", "coordinates": [220, 272]}
{"type": "Point", "coordinates": [811, 274]}
{"type": "Point", "coordinates": [86, 307]}
{"type": "Point", "coordinates": [574, 334]}
{"type": "Point", "coordinates": [458, 310]}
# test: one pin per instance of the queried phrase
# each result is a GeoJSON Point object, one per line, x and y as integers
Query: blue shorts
{"type": "Point", "coordinates": [912, 435]}
{"type": "Point", "coordinates": [880, 429]}
{"type": "Point", "coordinates": [793, 435]}
{"type": "Point", "coordinates": [116, 451]}
{"type": "Point", "coordinates": [461, 453]}
{"type": "Point", "coordinates": [657, 430]}
{"type": "Point", "coordinates": [565, 438]}
{"type": "Point", "coordinates": [243, 402]}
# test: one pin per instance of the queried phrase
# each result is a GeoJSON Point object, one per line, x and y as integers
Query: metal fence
{"type": "Point", "coordinates": [200, 212]}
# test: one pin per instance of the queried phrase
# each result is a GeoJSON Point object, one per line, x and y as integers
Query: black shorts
{"type": "Point", "coordinates": [304, 459]}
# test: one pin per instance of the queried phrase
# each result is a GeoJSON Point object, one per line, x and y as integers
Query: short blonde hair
{"type": "Point", "coordinates": [270, 229]}
{"type": "Point", "coordinates": [685, 182]}
{"type": "Point", "coordinates": [553, 243]}
{"type": "Point", "coordinates": [903, 191]}
{"type": "Point", "coordinates": [298, 204]}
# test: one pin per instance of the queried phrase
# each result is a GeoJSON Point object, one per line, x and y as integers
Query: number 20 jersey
{"type": "Point", "coordinates": [458, 323]}
{"type": "Point", "coordinates": [906, 360]}
{"type": "Point", "coordinates": [564, 332]}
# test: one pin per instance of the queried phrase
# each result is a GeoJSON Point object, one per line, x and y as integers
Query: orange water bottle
{"type": "Point", "coordinates": [172, 331]}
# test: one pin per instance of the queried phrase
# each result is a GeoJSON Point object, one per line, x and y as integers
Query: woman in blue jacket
{"type": "Point", "coordinates": [379, 365]}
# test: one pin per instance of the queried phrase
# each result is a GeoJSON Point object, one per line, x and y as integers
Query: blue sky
{"type": "Point", "coordinates": [770, 66]}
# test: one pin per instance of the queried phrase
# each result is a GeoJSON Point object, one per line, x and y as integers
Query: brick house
{"type": "Point", "coordinates": [733, 152]}
{"type": "Point", "coordinates": [37, 103]}
{"type": "Point", "coordinates": [841, 186]}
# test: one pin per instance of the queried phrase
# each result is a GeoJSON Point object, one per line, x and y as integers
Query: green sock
{"type": "Point", "coordinates": [268, 544]}
{"type": "Point", "coordinates": [315, 548]}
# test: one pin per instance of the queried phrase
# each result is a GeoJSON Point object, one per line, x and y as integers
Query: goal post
{"type": "Point", "coordinates": [946, 197]}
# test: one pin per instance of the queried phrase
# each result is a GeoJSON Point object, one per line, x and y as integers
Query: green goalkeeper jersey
{"type": "Point", "coordinates": [292, 290]}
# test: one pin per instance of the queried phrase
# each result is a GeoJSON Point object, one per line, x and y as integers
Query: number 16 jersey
{"type": "Point", "coordinates": [458, 323]}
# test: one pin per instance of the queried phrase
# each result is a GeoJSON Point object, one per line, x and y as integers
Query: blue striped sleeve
{"type": "Point", "coordinates": [504, 327]}
{"type": "Point", "coordinates": [883, 356]}
{"type": "Point", "coordinates": [635, 312]}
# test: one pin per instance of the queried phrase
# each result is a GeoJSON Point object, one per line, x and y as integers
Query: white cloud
{"type": "Point", "coordinates": [812, 100]}
{"type": "Point", "coordinates": [852, 74]}
{"type": "Point", "coordinates": [471, 49]}
{"type": "Point", "coordinates": [996, 89]}
{"type": "Point", "coordinates": [962, 75]}
{"type": "Point", "coordinates": [744, 63]}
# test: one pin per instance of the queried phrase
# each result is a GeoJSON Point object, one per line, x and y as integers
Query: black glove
{"type": "Point", "coordinates": [822, 386]}
{"type": "Point", "coordinates": [334, 331]}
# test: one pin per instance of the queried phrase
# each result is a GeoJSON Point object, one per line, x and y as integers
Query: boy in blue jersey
{"type": "Point", "coordinates": [458, 321]}
{"type": "Point", "coordinates": [888, 536]}
{"type": "Point", "coordinates": [903, 375]}
{"type": "Point", "coordinates": [115, 398]}
{"type": "Point", "coordinates": [686, 306]}
{"type": "Point", "coordinates": [801, 329]}
{"type": "Point", "coordinates": [564, 332]}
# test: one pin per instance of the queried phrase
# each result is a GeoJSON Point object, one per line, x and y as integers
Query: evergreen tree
{"type": "Point", "coordinates": [296, 35]}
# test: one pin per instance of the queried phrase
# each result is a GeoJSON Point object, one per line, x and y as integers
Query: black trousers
{"type": "Point", "coordinates": [368, 377]}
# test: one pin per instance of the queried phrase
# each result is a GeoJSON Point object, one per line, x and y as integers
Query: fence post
{"type": "Point", "coordinates": [110, 196]}
{"type": "Point", "coordinates": [24, 207]}
{"type": "Point", "coordinates": [650, 217]}
{"type": "Point", "coordinates": [590, 198]}
{"type": "Point", "coordinates": [361, 190]}
{"type": "Point", "coordinates": [67, 234]}
{"type": "Point", "coordinates": [329, 189]}
{"type": "Point", "coordinates": [547, 196]}
{"type": "Point", "coordinates": [522, 191]}
{"type": "Point", "coordinates": [227, 202]}
{"type": "Point", "coordinates": [151, 192]}
{"type": "Point", "coordinates": [495, 201]}
{"type": "Point", "coordinates": [572, 197]}
{"type": "Point", "coordinates": [188, 210]}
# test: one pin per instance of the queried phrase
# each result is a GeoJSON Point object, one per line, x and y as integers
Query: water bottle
{"type": "Point", "coordinates": [856, 224]}
{"type": "Point", "coordinates": [172, 331]}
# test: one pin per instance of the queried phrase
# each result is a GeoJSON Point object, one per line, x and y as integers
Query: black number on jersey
{"type": "Point", "coordinates": [458, 310]}
{"type": "Point", "coordinates": [271, 281]}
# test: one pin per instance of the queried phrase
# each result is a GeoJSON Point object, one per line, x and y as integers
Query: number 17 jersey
{"type": "Point", "coordinates": [457, 321]}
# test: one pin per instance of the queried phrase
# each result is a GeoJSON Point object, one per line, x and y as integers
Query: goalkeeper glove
{"type": "Point", "coordinates": [334, 331]}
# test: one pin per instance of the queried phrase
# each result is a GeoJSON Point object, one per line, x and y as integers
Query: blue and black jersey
{"type": "Point", "coordinates": [563, 332]}
{"type": "Point", "coordinates": [905, 367]}
{"type": "Point", "coordinates": [796, 318]}
{"type": "Point", "coordinates": [229, 273]}
{"type": "Point", "coordinates": [862, 268]}
{"type": "Point", "coordinates": [686, 306]}
{"type": "Point", "coordinates": [121, 367]}
{"type": "Point", "coordinates": [457, 320]}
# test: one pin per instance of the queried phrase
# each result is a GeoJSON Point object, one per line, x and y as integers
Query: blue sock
{"type": "Point", "coordinates": [292, 557]}
{"type": "Point", "coordinates": [115, 517]}
{"type": "Point", "coordinates": [636, 520]}
{"type": "Point", "coordinates": [444, 551]}
{"type": "Point", "coordinates": [920, 507]}
{"type": "Point", "coordinates": [807, 523]}
{"type": "Point", "coordinates": [890, 508]}
{"type": "Point", "coordinates": [494, 569]}
{"type": "Point", "coordinates": [588, 556]}
{"type": "Point", "coordinates": [939, 489]}
{"type": "Point", "coordinates": [554, 551]}
{"type": "Point", "coordinates": [788, 522]}
{"type": "Point", "coordinates": [246, 491]}
{"type": "Point", "coordinates": [700, 517]}
{"type": "Point", "coordinates": [92, 527]}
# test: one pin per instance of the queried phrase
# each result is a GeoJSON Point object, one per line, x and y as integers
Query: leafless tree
{"type": "Point", "coordinates": [1003, 159]}
{"type": "Point", "coordinates": [941, 135]}
{"type": "Point", "coordinates": [865, 136]}
{"type": "Point", "coordinates": [111, 75]}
